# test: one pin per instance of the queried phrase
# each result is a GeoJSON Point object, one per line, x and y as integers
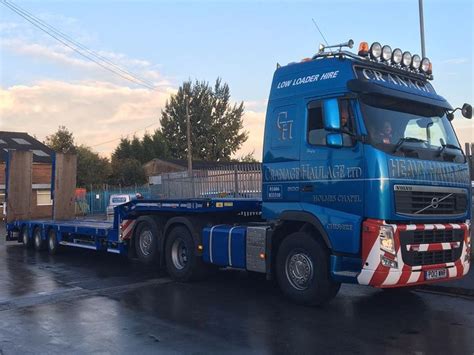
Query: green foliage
{"type": "Point", "coordinates": [127, 172]}
{"type": "Point", "coordinates": [92, 169]}
{"type": "Point", "coordinates": [62, 141]}
{"type": "Point", "coordinates": [248, 158]}
{"type": "Point", "coordinates": [144, 150]}
{"type": "Point", "coordinates": [216, 125]}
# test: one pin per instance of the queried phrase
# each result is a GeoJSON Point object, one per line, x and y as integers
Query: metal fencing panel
{"type": "Point", "coordinates": [96, 201]}
{"type": "Point", "coordinates": [233, 180]}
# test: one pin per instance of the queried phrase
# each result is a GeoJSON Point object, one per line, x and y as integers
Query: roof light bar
{"type": "Point", "coordinates": [386, 53]}
{"type": "Point", "coordinates": [425, 65]}
{"type": "Point", "coordinates": [375, 50]}
{"type": "Point", "coordinates": [415, 62]}
{"type": "Point", "coordinates": [397, 56]}
{"type": "Point", "coordinates": [406, 59]}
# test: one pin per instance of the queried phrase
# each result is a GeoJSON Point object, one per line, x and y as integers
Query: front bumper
{"type": "Point", "coordinates": [400, 274]}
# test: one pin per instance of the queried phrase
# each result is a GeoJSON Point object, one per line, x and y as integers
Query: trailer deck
{"type": "Point", "coordinates": [106, 235]}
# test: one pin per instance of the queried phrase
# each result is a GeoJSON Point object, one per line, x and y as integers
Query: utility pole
{"type": "Point", "coordinates": [422, 28]}
{"type": "Point", "coordinates": [190, 153]}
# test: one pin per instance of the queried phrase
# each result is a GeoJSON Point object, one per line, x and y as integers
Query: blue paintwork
{"type": "Point", "coordinates": [340, 186]}
{"type": "Point", "coordinates": [105, 235]}
{"type": "Point", "coordinates": [220, 235]}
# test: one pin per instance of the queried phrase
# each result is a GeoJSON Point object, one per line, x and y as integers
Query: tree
{"type": "Point", "coordinates": [216, 125]}
{"type": "Point", "coordinates": [127, 172]}
{"type": "Point", "coordinates": [144, 150]}
{"type": "Point", "coordinates": [62, 141]}
{"type": "Point", "coordinates": [92, 169]}
{"type": "Point", "coordinates": [248, 158]}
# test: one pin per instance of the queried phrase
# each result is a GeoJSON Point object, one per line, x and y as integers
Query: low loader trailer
{"type": "Point", "coordinates": [363, 182]}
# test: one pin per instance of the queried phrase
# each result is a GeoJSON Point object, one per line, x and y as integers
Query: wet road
{"type": "Point", "coordinates": [83, 302]}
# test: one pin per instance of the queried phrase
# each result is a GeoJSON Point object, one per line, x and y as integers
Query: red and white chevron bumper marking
{"type": "Point", "coordinates": [126, 229]}
{"type": "Point", "coordinates": [375, 274]}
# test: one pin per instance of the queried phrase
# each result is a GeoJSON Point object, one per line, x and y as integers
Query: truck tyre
{"type": "Point", "coordinates": [182, 261]}
{"type": "Point", "coordinates": [27, 241]}
{"type": "Point", "coordinates": [53, 245]}
{"type": "Point", "coordinates": [38, 241]}
{"type": "Point", "coordinates": [146, 240]}
{"type": "Point", "coordinates": [302, 270]}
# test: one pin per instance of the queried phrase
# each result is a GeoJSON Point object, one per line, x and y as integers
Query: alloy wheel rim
{"type": "Point", "coordinates": [179, 254]}
{"type": "Point", "coordinates": [299, 270]}
{"type": "Point", "coordinates": [145, 243]}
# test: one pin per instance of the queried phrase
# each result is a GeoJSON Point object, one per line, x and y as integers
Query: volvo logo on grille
{"type": "Point", "coordinates": [435, 202]}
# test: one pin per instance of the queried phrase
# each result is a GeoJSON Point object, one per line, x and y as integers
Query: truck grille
{"type": "Point", "coordinates": [420, 200]}
{"type": "Point", "coordinates": [417, 258]}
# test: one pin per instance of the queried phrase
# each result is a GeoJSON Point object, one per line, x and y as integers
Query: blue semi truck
{"type": "Point", "coordinates": [363, 182]}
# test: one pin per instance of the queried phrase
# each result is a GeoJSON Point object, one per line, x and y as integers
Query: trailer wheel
{"type": "Point", "coordinates": [302, 268]}
{"type": "Point", "coordinates": [182, 262]}
{"type": "Point", "coordinates": [27, 241]}
{"type": "Point", "coordinates": [146, 240]}
{"type": "Point", "coordinates": [53, 245]}
{"type": "Point", "coordinates": [38, 241]}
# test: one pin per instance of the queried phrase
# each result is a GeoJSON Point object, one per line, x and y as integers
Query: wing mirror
{"type": "Point", "coordinates": [332, 121]}
{"type": "Point", "coordinates": [466, 111]}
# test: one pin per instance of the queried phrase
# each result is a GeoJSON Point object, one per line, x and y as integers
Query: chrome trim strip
{"type": "Point", "coordinates": [419, 188]}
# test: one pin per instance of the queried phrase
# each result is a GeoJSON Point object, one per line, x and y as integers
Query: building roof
{"type": "Point", "coordinates": [23, 141]}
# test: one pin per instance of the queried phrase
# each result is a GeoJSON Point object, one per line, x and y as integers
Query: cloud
{"type": "Point", "coordinates": [97, 112]}
{"type": "Point", "coordinates": [254, 123]}
{"type": "Point", "coordinates": [455, 61]}
{"type": "Point", "coordinates": [99, 106]}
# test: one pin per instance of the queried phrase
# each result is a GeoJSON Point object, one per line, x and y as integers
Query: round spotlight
{"type": "Point", "coordinates": [415, 62]}
{"type": "Point", "coordinates": [425, 65]}
{"type": "Point", "coordinates": [397, 56]}
{"type": "Point", "coordinates": [406, 59]}
{"type": "Point", "coordinates": [386, 53]}
{"type": "Point", "coordinates": [375, 50]}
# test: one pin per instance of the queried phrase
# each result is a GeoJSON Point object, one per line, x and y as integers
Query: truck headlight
{"type": "Point", "coordinates": [406, 59]}
{"type": "Point", "coordinates": [387, 242]}
{"type": "Point", "coordinates": [375, 50]}
{"type": "Point", "coordinates": [397, 56]}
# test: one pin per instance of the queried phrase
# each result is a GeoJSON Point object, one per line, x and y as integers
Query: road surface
{"type": "Point", "coordinates": [83, 302]}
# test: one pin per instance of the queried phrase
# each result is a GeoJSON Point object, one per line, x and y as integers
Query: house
{"type": "Point", "coordinates": [42, 170]}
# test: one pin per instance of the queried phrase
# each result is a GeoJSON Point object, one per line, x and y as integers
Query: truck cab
{"type": "Point", "coordinates": [360, 152]}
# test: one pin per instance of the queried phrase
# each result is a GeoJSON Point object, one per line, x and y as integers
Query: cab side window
{"type": "Point", "coordinates": [346, 115]}
{"type": "Point", "coordinates": [316, 134]}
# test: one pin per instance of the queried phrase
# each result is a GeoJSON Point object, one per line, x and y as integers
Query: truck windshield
{"type": "Point", "coordinates": [410, 129]}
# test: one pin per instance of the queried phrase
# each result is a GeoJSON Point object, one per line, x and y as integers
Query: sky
{"type": "Point", "coordinates": [44, 84]}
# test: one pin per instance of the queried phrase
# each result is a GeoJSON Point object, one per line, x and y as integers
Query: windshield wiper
{"type": "Point", "coordinates": [407, 139]}
{"type": "Point", "coordinates": [447, 145]}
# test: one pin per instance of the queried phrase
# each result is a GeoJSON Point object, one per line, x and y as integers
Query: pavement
{"type": "Point", "coordinates": [84, 302]}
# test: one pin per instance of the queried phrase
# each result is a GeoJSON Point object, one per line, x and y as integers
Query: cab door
{"type": "Point", "coordinates": [332, 177]}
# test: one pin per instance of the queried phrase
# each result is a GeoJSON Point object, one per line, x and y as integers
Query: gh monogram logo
{"type": "Point", "coordinates": [285, 126]}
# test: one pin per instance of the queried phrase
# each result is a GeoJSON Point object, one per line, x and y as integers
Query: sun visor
{"type": "Point", "coordinates": [377, 82]}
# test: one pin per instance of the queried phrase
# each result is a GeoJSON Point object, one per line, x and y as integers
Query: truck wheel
{"type": "Point", "coordinates": [182, 262]}
{"type": "Point", "coordinates": [146, 240]}
{"type": "Point", "coordinates": [302, 270]}
{"type": "Point", "coordinates": [27, 241]}
{"type": "Point", "coordinates": [53, 245]}
{"type": "Point", "coordinates": [38, 241]}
